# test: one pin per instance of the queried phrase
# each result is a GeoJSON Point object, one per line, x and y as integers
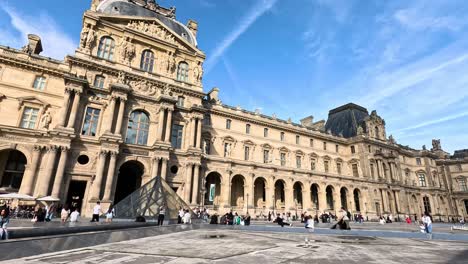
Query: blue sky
{"type": "Point", "coordinates": [295, 58]}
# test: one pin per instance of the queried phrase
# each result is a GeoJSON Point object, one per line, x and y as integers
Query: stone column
{"type": "Point", "coordinates": [196, 180]}
{"type": "Point", "coordinates": [111, 115]}
{"type": "Point", "coordinates": [270, 194]}
{"type": "Point", "coordinates": [167, 135]}
{"type": "Point", "coordinates": [58, 182]}
{"type": "Point", "coordinates": [199, 129]}
{"type": "Point", "coordinates": [385, 205]}
{"type": "Point", "coordinates": [306, 200]}
{"type": "Point", "coordinates": [322, 197]}
{"type": "Point", "coordinates": [226, 191]}
{"type": "Point", "coordinates": [74, 110]}
{"type": "Point", "coordinates": [192, 132]}
{"type": "Point", "coordinates": [30, 174]}
{"type": "Point", "coordinates": [188, 183]}
{"type": "Point", "coordinates": [155, 167]}
{"type": "Point", "coordinates": [251, 193]}
{"type": "Point", "coordinates": [45, 181]}
{"type": "Point", "coordinates": [110, 177]}
{"type": "Point", "coordinates": [159, 135]}
{"type": "Point", "coordinates": [118, 126]}
{"type": "Point", "coordinates": [64, 110]}
{"type": "Point", "coordinates": [188, 134]}
{"type": "Point", "coordinates": [289, 203]}
{"type": "Point", "coordinates": [336, 200]}
{"type": "Point", "coordinates": [96, 187]}
{"type": "Point", "coordinates": [164, 168]}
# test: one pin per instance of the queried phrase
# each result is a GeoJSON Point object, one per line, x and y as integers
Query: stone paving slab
{"type": "Point", "coordinates": [236, 246]}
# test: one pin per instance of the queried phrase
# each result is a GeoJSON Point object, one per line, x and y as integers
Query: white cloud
{"type": "Point", "coordinates": [245, 23]}
{"type": "Point", "coordinates": [55, 42]}
{"type": "Point", "coordinates": [416, 19]}
{"type": "Point", "coordinates": [435, 121]}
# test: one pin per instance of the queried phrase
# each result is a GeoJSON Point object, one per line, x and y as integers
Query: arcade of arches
{"type": "Point", "coordinates": [260, 195]}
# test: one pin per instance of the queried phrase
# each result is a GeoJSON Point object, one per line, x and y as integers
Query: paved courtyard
{"type": "Point", "coordinates": [231, 246]}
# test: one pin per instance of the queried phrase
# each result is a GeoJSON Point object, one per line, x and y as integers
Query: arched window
{"type": "Point", "coordinates": [422, 180]}
{"type": "Point", "coordinates": [14, 169]}
{"type": "Point", "coordinates": [137, 129]}
{"type": "Point", "coordinates": [147, 61]}
{"type": "Point", "coordinates": [106, 48]}
{"type": "Point", "coordinates": [182, 72]}
{"type": "Point", "coordinates": [427, 204]}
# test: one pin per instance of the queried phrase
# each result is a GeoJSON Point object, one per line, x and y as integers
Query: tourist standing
{"type": "Point", "coordinates": [162, 213]}
{"type": "Point", "coordinates": [110, 214]}
{"type": "Point", "coordinates": [64, 214]}
{"type": "Point", "coordinates": [50, 211]}
{"type": "Point", "coordinates": [180, 216]}
{"type": "Point", "coordinates": [187, 217]}
{"type": "Point", "coordinates": [427, 221]}
{"type": "Point", "coordinates": [3, 225]}
{"type": "Point", "coordinates": [96, 212]}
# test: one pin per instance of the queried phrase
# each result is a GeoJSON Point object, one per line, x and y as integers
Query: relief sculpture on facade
{"type": "Point", "coordinates": [153, 30]}
{"type": "Point", "coordinates": [127, 50]}
{"type": "Point", "coordinates": [87, 38]}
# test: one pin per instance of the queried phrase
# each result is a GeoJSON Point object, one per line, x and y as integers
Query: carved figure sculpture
{"type": "Point", "coordinates": [45, 121]}
{"type": "Point", "coordinates": [127, 50]}
{"type": "Point", "coordinates": [436, 144]}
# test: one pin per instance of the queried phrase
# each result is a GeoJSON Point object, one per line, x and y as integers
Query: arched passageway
{"type": "Point", "coordinates": [344, 198]}
{"type": "Point", "coordinates": [237, 191]}
{"type": "Point", "coordinates": [314, 193]}
{"type": "Point", "coordinates": [297, 194]}
{"type": "Point", "coordinates": [213, 189]}
{"type": "Point", "coordinates": [357, 199]}
{"type": "Point", "coordinates": [129, 179]}
{"type": "Point", "coordinates": [12, 166]}
{"type": "Point", "coordinates": [329, 195]}
{"type": "Point", "coordinates": [260, 193]}
{"type": "Point", "coordinates": [279, 198]}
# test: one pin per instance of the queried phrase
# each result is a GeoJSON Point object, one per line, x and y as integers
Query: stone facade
{"type": "Point", "coordinates": [129, 106]}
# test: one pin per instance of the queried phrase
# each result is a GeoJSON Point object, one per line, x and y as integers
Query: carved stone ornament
{"type": "Point", "coordinates": [166, 90]}
{"type": "Point", "coordinates": [153, 30]}
{"type": "Point", "coordinates": [122, 78]}
{"type": "Point", "coordinates": [144, 87]}
{"type": "Point", "coordinates": [127, 50]}
{"type": "Point", "coordinates": [45, 121]}
{"type": "Point", "coordinates": [87, 37]}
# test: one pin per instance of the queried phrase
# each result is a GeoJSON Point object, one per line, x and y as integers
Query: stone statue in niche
{"type": "Point", "coordinates": [198, 73]}
{"type": "Point", "coordinates": [166, 90]}
{"type": "Point", "coordinates": [87, 37]}
{"type": "Point", "coordinates": [127, 50]}
{"type": "Point", "coordinates": [171, 64]}
{"type": "Point", "coordinates": [436, 144]}
{"type": "Point", "coordinates": [391, 140]}
{"type": "Point", "coordinates": [45, 121]}
{"type": "Point", "coordinates": [424, 147]}
{"type": "Point", "coordinates": [122, 78]}
{"type": "Point", "coordinates": [360, 130]}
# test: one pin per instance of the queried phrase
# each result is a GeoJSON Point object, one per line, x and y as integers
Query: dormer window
{"type": "Point", "coordinates": [180, 101]}
{"type": "Point", "coordinates": [106, 48]}
{"type": "Point", "coordinates": [182, 72]}
{"type": "Point", "coordinates": [99, 81]}
{"type": "Point", "coordinates": [282, 136]}
{"type": "Point", "coordinates": [39, 83]}
{"type": "Point", "coordinates": [265, 132]}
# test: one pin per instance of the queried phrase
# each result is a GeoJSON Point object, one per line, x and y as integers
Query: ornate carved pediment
{"type": "Point", "coordinates": [248, 142]}
{"type": "Point", "coordinates": [339, 160]}
{"type": "Point", "coordinates": [326, 157]}
{"type": "Point", "coordinates": [145, 87]}
{"type": "Point", "coordinates": [300, 152]}
{"type": "Point", "coordinates": [313, 155]}
{"type": "Point", "coordinates": [229, 139]}
{"type": "Point", "coordinates": [266, 146]}
{"type": "Point", "coordinates": [353, 161]}
{"type": "Point", "coordinates": [284, 149]}
{"type": "Point", "coordinates": [152, 29]}
{"type": "Point", "coordinates": [33, 100]}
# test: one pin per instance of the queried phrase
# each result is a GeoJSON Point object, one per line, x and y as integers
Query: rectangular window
{"type": "Point", "coordinates": [298, 138]}
{"type": "Point", "coordinates": [246, 153]}
{"type": "Point", "coordinates": [324, 145]}
{"type": "Point", "coordinates": [338, 168]}
{"type": "Point", "coordinates": [312, 165]}
{"type": "Point", "coordinates": [176, 136]}
{"type": "Point", "coordinates": [266, 156]}
{"type": "Point", "coordinates": [265, 132]}
{"type": "Point", "coordinates": [247, 129]}
{"type": "Point", "coordinates": [326, 165]}
{"type": "Point", "coordinates": [207, 119]}
{"type": "Point", "coordinates": [372, 173]}
{"type": "Point", "coordinates": [298, 161]}
{"type": "Point", "coordinates": [91, 122]}
{"type": "Point", "coordinates": [180, 101]}
{"type": "Point", "coordinates": [228, 123]}
{"type": "Point", "coordinates": [462, 185]}
{"type": "Point", "coordinates": [311, 143]}
{"type": "Point", "coordinates": [99, 81]}
{"type": "Point", "coordinates": [29, 118]}
{"type": "Point", "coordinates": [418, 161]}
{"type": "Point", "coordinates": [337, 148]}
{"type": "Point", "coordinates": [39, 83]}
{"type": "Point", "coordinates": [283, 159]}
{"type": "Point", "coordinates": [282, 136]}
{"type": "Point", "coordinates": [355, 170]}
{"type": "Point", "coordinates": [422, 180]}
{"type": "Point", "coordinates": [369, 148]}
{"type": "Point", "coordinates": [353, 149]}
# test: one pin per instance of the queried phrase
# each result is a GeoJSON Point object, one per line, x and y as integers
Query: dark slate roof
{"type": "Point", "coordinates": [460, 154]}
{"type": "Point", "coordinates": [344, 120]}
{"type": "Point", "coordinates": [126, 8]}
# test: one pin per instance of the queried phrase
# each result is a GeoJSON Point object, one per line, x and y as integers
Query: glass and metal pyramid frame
{"type": "Point", "coordinates": [147, 200]}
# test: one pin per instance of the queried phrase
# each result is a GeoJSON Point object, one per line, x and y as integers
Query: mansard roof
{"type": "Point", "coordinates": [129, 8]}
{"type": "Point", "coordinates": [344, 120]}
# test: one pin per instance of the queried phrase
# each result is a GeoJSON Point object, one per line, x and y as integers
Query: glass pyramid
{"type": "Point", "coordinates": [147, 200]}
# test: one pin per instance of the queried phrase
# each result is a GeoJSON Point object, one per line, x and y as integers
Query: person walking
{"type": "Point", "coordinates": [64, 214]}
{"type": "Point", "coordinates": [427, 221]}
{"type": "Point", "coordinates": [110, 214]}
{"type": "Point", "coordinates": [162, 213]}
{"type": "Point", "coordinates": [3, 225]}
{"type": "Point", "coordinates": [96, 212]}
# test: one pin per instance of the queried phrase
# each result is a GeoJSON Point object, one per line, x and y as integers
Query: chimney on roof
{"type": "Point", "coordinates": [34, 45]}
{"type": "Point", "coordinates": [308, 121]}
{"type": "Point", "coordinates": [193, 26]}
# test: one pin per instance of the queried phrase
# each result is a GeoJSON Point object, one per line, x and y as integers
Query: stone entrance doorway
{"type": "Point", "coordinates": [12, 166]}
{"type": "Point", "coordinates": [213, 189]}
{"type": "Point", "coordinates": [129, 179]}
{"type": "Point", "coordinates": [76, 192]}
